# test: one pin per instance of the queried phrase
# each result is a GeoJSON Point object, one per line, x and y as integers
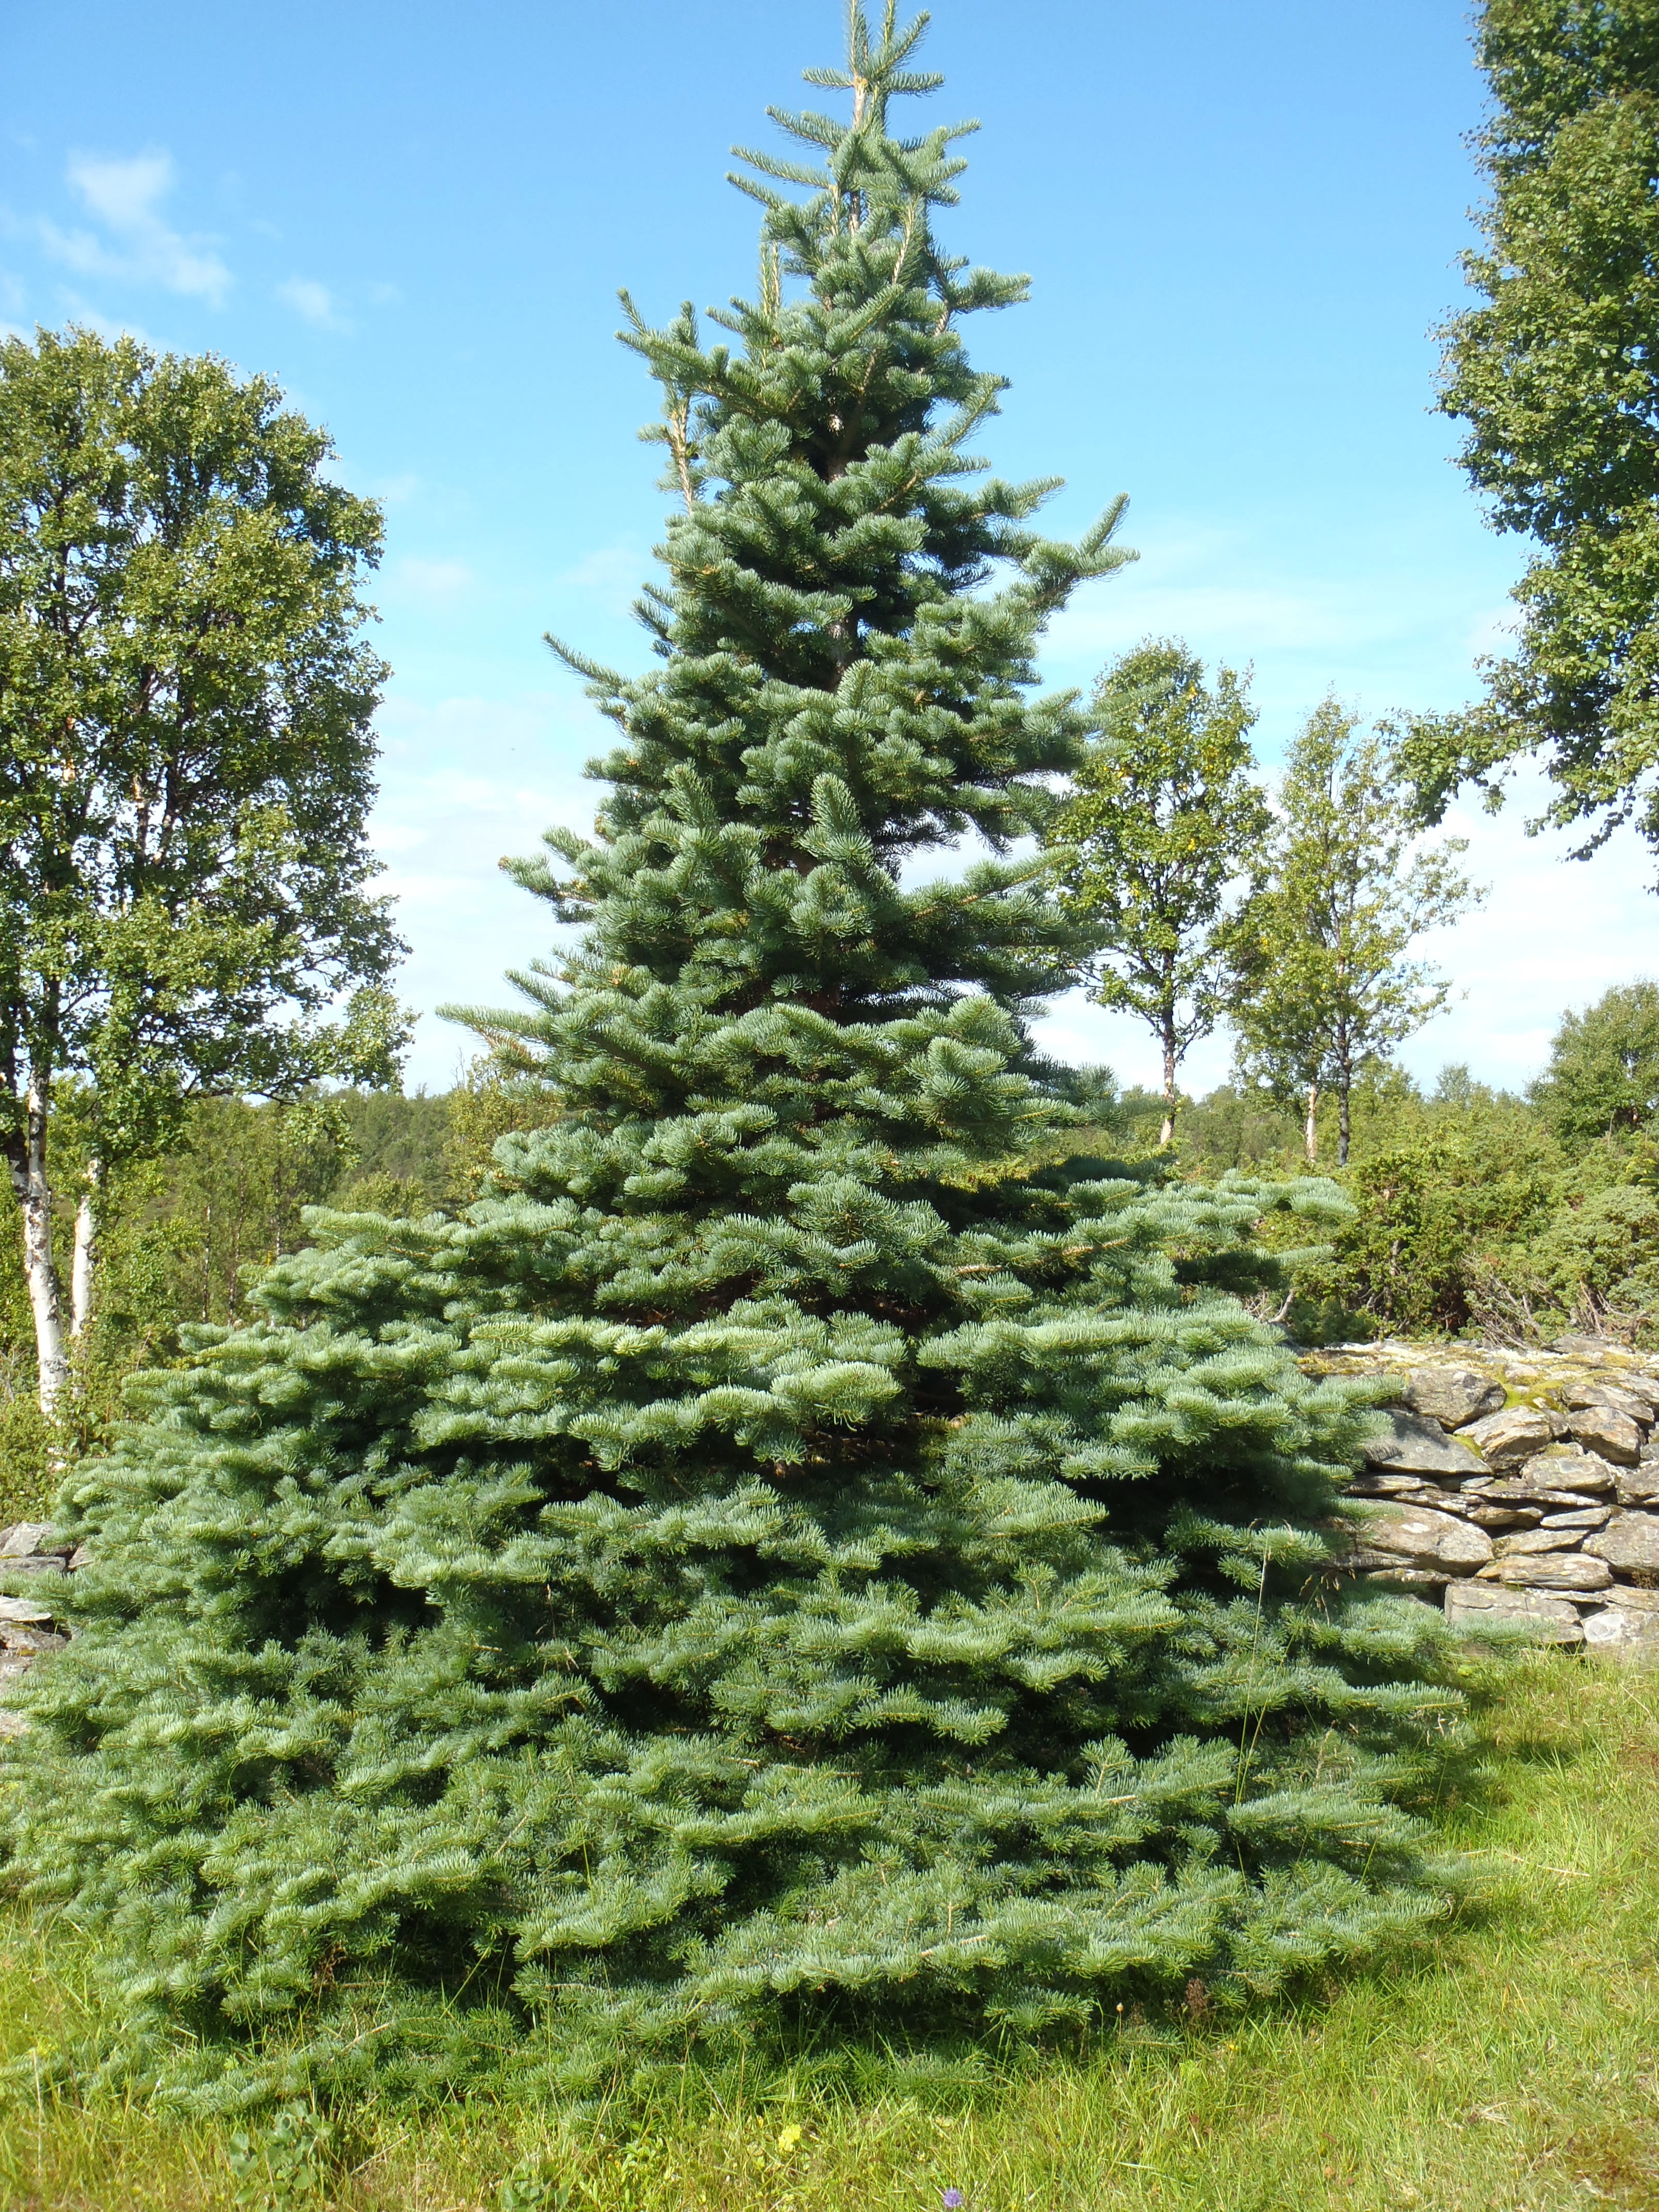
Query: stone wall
{"type": "Point", "coordinates": [1518, 1485]}
{"type": "Point", "coordinates": [34, 1566]}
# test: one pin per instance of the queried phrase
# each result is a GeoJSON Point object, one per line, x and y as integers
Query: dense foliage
{"type": "Point", "coordinates": [186, 766]}
{"type": "Point", "coordinates": [784, 1565]}
{"type": "Point", "coordinates": [1555, 374]}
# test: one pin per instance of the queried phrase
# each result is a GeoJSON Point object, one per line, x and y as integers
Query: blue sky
{"type": "Point", "coordinates": [1242, 219]}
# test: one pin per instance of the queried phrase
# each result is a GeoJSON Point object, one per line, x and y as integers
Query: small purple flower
{"type": "Point", "coordinates": [952, 2199]}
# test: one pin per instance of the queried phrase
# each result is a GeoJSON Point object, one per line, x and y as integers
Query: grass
{"type": "Point", "coordinates": [1511, 2066]}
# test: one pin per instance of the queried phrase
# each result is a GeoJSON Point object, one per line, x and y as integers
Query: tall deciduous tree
{"type": "Point", "coordinates": [185, 770]}
{"type": "Point", "coordinates": [782, 1564]}
{"type": "Point", "coordinates": [1325, 985]}
{"type": "Point", "coordinates": [1603, 1072]}
{"type": "Point", "coordinates": [1555, 375]}
{"type": "Point", "coordinates": [1164, 820]}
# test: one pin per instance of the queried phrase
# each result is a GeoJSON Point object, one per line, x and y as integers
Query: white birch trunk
{"type": "Point", "coordinates": [33, 1193]}
{"type": "Point", "coordinates": [86, 1253]}
{"type": "Point", "coordinates": [1310, 1126]}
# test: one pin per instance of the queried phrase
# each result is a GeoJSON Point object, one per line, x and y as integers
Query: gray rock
{"type": "Point", "coordinates": [1413, 1445]}
{"type": "Point", "coordinates": [1551, 1619]}
{"type": "Point", "coordinates": [1373, 1484]}
{"type": "Point", "coordinates": [1586, 1347]}
{"type": "Point", "coordinates": [33, 1641]}
{"type": "Point", "coordinates": [36, 1562]}
{"type": "Point", "coordinates": [23, 1610]}
{"type": "Point", "coordinates": [1630, 1542]}
{"type": "Point", "coordinates": [1605, 1430]}
{"type": "Point", "coordinates": [1581, 1516]}
{"type": "Point", "coordinates": [1416, 1536]}
{"type": "Point", "coordinates": [1623, 1632]}
{"type": "Point", "coordinates": [25, 1540]}
{"type": "Point", "coordinates": [1533, 1541]}
{"type": "Point", "coordinates": [1640, 1485]}
{"type": "Point", "coordinates": [1570, 1472]}
{"type": "Point", "coordinates": [1634, 1600]}
{"type": "Point", "coordinates": [1517, 1434]}
{"type": "Point", "coordinates": [1504, 1517]}
{"type": "Point", "coordinates": [1552, 1570]}
{"type": "Point", "coordinates": [1424, 1579]}
{"type": "Point", "coordinates": [12, 1723]}
{"type": "Point", "coordinates": [1451, 1396]}
{"type": "Point", "coordinates": [1622, 1400]}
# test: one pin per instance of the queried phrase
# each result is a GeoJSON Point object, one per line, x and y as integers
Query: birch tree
{"type": "Point", "coordinates": [185, 771]}
{"type": "Point", "coordinates": [1164, 820]}
{"type": "Point", "coordinates": [1325, 985]}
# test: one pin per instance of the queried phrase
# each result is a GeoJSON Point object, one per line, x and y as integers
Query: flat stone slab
{"type": "Point", "coordinates": [23, 1610]}
{"type": "Point", "coordinates": [25, 1540]}
{"type": "Point", "coordinates": [1412, 1445]}
{"type": "Point", "coordinates": [1532, 1542]}
{"type": "Point", "coordinates": [1551, 1619]}
{"type": "Point", "coordinates": [1579, 1396]}
{"type": "Point", "coordinates": [1551, 1570]}
{"type": "Point", "coordinates": [1502, 1516]}
{"type": "Point", "coordinates": [1637, 1485]}
{"type": "Point", "coordinates": [1417, 1536]}
{"type": "Point", "coordinates": [1572, 1471]}
{"type": "Point", "coordinates": [1633, 1598]}
{"type": "Point", "coordinates": [1630, 1542]}
{"type": "Point", "coordinates": [1614, 1435]}
{"type": "Point", "coordinates": [1581, 1516]}
{"type": "Point", "coordinates": [1515, 1435]}
{"type": "Point", "coordinates": [1450, 1395]}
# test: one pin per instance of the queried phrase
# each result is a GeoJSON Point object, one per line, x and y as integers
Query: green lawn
{"type": "Point", "coordinates": [1514, 2064]}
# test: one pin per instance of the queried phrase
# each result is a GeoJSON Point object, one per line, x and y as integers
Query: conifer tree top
{"type": "Point", "coordinates": [848, 620]}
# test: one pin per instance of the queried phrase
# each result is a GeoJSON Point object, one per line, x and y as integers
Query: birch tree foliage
{"type": "Point", "coordinates": [186, 769]}
{"type": "Point", "coordinates": [1325, 986]}
{"type": "Point", "coordinates": [1554, 374]}
{"type": "Point", "coordinates": [1165, 819]}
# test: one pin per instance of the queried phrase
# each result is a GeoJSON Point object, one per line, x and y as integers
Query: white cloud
{"type": "Point", "coordinates": [139, 246]}
{"type": "Point", "coordinates": [437, 581]}
{"type": "Point", "coordinates": [465, 779]}
{"type": "Point", "coordinates": [313, 302]}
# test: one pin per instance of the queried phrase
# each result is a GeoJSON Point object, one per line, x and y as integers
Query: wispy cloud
{"type": "Point", "coordinates": [438, 581]}
{"type": "Point", "coordinates": [136, 243]}
{"type": "Point", "coordinates": [313, 302]}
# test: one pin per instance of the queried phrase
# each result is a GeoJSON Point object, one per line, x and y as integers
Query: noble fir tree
{"type": "Point", "coordinates": [779, 1566]}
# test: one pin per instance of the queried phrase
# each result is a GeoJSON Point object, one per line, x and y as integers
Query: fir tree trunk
{"type": "Point", "coordinates": [1310, 1125]}
{"type": "Point", "coordinates": [27, 1159]}
{"type": "Point", "coordinates": [84, 1265]}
